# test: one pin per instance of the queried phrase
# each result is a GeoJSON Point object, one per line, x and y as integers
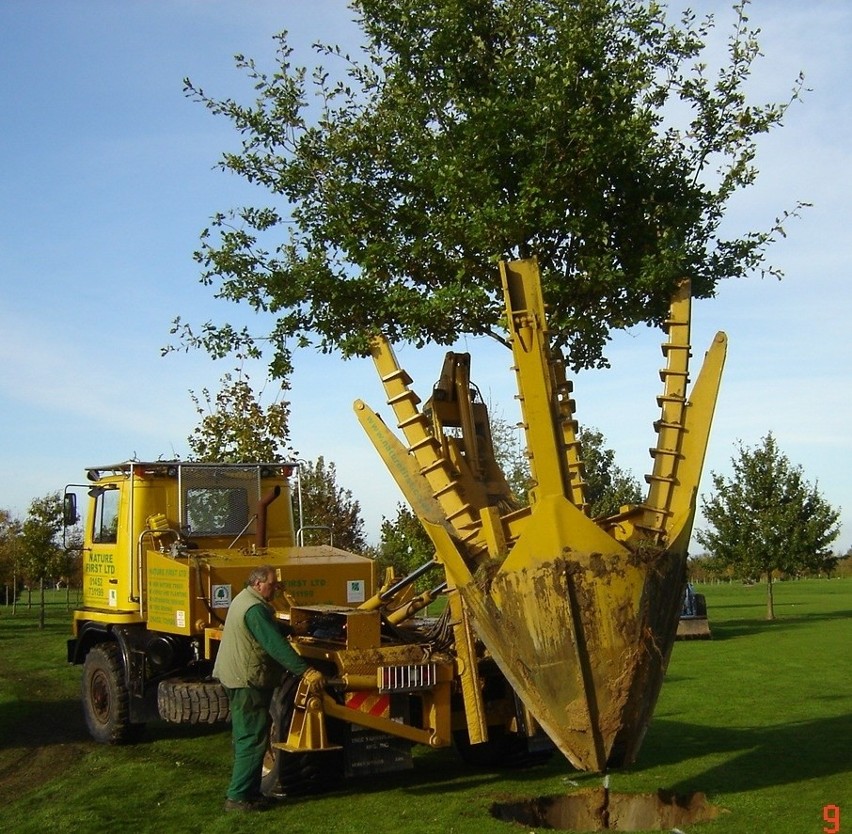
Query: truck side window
{"type": "Point", "coordinates": [106, 517]}
{"type": "Point", "coordinates": [216, 511]}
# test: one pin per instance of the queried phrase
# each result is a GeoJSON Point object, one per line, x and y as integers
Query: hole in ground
{"type": "Point", "coordinates": [599, 809]}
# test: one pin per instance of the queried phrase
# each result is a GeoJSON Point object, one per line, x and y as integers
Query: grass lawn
{"type": "Point", "coordinates": [759, 719]}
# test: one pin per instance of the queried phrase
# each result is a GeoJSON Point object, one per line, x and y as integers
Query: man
{"type": "Point", "coordinates": [248, 664]}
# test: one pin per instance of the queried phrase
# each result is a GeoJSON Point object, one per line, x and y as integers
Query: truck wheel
{"type": "Point", "coordinates": [192, 701]}
{"type": "Point", "coordinates": [295, 774]}
{"type": "Point", "coordinates": [106, 700]}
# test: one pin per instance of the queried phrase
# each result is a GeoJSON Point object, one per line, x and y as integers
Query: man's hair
{"type": "Point", "coordinates": [259, 574]}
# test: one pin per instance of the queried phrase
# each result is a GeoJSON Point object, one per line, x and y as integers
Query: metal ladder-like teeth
{"type": "Point", "coordinates": [540, 377]}
{"type": "Point", "coordinates": [570, 444]}
{"type": "Point", "coordinates": [426, 449]}
{"type": "Point", "coordinates": [667, 454]}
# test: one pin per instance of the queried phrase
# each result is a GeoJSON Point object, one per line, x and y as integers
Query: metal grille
{"type": "Point", "coordinates": [218, 501]}
{"type": "Point", "coordinates": [407, 678]}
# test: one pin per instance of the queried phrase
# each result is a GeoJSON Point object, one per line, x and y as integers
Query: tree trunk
{"type": "Point", "coordinates": [41, 603]}
{"type": "Point", "coordinates": [770, 602]}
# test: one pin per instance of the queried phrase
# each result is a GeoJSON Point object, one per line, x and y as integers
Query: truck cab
{"type": "Point", "coordinates": [166, 547]}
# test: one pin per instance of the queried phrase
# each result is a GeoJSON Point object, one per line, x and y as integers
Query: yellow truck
{"type": "Point", "coordinates": [556, 629]}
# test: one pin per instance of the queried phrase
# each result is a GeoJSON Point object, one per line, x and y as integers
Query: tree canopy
{"type": "Point", "coordinates": [766, 517]}
{"type": "Point", "coordinates": [330, 513]}
{"type": "Point", "coordinates": [10, 537]}
{"type": "Point", "coordinates": [608, 486]}
{"type": "Point", "coordinates": [589, 134]}
{"type": "Point", "coordinates": [41, 552]}
{"type": "Point", "coordinates": [405, 545]}
{"type": "Point", "coordinates": [236, 427]}
{"type": "Point", "coordinates": [40, 533]}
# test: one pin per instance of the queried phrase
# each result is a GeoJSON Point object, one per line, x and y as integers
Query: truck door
{"type": "Point", "coordinates": [100, 577]}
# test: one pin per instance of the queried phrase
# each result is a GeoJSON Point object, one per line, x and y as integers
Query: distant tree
{"type": "Point", "coordinates": [41, 548]}
{"type": "Point", "coordinates": [329, 511]}
{"type": "Point", "coordinates": [844, 564]}
{"type": "Point", "coordinates": [404, 545]}
{"type": "Point", "coordinates": [10, 547]}
{"type": "Point", "coordinates": [608, 486]}
{"type": "Point", "coordinates": [590, 134]}
{"type": "Point", "coordinates": [236, 428]}
{"type": "Point", "coordinates": [69, 565]}
{"type": "Point", "coordinates": [767, 518]}
{"type": "Point", "coordinates": [510, 455]}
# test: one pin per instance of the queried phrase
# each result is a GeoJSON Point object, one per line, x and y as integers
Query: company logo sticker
{"type": "Point", "coordinates": [221, 596]}
{"type": "Point", "coordinates": [355, 590]}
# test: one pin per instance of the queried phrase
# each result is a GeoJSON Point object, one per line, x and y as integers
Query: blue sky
{"type": "Point", "coordinates": [108, 178]}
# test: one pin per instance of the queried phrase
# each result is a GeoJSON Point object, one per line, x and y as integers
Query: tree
{"type": "Point", "coordinates": [329, 511]}
{"type": "Point", "coordinates": [10, 535]}
{"type": "Point", "coordinates": [767, 518]}
{"type": "Point", "coordinates": [41, 552]}
{"type": "Point", "coordinates": [405, 546]}
{"type": "Point", "coordinates": [844, 564]}
{"type": "Point", "coordinates": [510, 455]}
{"type": "Point", "coordinates": [589, 134]}
{"type": "Point", "coordinates": [70, 563]}
{"type": "Point", "coordinates": [236, 428]}
{"type": "Point", "coordinates": [608, 486]}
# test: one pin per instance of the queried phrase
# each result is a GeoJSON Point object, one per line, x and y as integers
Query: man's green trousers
{"type": "Point", "coordinates": [249, 729]}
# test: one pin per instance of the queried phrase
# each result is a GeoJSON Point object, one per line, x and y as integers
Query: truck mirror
{"type": "Point", "coordinates": [69, 509]}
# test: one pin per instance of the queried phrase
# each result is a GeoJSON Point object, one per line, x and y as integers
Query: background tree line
{"type": "Point", "coordinates": [35, 552]}
{"type": "Point", "coordinates": [764, 522]}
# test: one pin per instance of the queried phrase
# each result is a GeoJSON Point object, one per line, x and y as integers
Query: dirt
{"type": "Point", "coordinates": [599, 809]}
{"type": "Point", "coordinates": [39, 739]}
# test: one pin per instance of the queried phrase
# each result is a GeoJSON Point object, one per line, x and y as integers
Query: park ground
{"type": "Point", "coordinates": [759, 719]}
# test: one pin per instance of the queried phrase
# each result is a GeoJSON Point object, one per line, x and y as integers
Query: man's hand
{"type": "Point", "coordinates": [314, 680]}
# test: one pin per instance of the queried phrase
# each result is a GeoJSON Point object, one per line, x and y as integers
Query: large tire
{"type": "Point", "coordinates": [106, 700]}
{"type": "Point", "coordinates": [295, 774]}
{"type": "Point", "coordinates": [192, 701]}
